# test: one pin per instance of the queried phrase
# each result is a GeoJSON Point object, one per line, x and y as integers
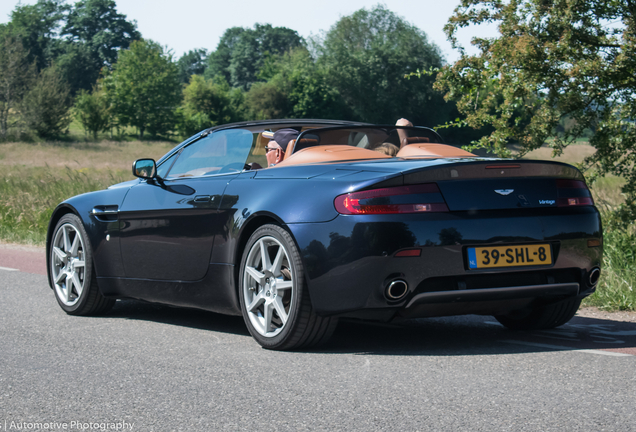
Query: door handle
{"type": "Point", "coordinates": [202, 198]}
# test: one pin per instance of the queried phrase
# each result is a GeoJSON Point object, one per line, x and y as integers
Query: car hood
{"type": "Point", "coordinates": [125, 184]}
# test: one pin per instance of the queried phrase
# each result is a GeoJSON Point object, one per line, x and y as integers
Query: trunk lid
{"type": "Point", "coordinates": [500, 184]}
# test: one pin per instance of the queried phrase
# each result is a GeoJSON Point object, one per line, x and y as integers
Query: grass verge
{"type": "Point", "coordinates": [615, 290]}
{"type": "Point", "coordinates": [28, 196]}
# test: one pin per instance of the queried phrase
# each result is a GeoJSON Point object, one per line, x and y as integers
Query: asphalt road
{"type": "Point", "coordinates": [147, 367]}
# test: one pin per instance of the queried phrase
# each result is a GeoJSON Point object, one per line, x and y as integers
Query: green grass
{"type": "Point", "coordinates": [616, 287]}
{"type": "Point", "coordinates": [28, 196]}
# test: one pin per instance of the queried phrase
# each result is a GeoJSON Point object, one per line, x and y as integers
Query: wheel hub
{"type": "Point", "coordinates": [267, 294]}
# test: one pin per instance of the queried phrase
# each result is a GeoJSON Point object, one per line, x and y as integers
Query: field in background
{"type": "Point", "coordinates": [36, 177]}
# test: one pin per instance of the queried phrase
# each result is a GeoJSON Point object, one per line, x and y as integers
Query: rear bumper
{"type": "Point", "coordinates": [485, 300]}
{"type": "Point", "coordinates": [350, 260]}
{"type": "Point", "coordinates": [489, 294]}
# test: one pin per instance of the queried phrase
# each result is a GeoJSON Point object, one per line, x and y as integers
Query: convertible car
{"type": "Point", "coordinates": [340, 228]}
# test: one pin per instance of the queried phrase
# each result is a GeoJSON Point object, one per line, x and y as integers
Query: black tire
{"type": "Point", "coordinates": [542, 317]}
{"type": "Point", "coordinates": [263, 286]}
{"type": "Point", "coordinates": [74, 283]}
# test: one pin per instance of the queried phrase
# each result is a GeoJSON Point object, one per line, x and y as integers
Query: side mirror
{"type": "Point", "coordinates": [144, 168]}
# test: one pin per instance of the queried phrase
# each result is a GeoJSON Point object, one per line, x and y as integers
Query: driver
{"type": "Point", "coordinates": [278, 145]}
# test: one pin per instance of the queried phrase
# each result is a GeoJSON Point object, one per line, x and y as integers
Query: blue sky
{"type": "Point", "coordinates": [186, 24]}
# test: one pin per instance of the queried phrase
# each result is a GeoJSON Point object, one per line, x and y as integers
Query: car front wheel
{"type": "Point", "coordinates": [274, 298]}
{"type": "Point", "coordinates": [71, 270]}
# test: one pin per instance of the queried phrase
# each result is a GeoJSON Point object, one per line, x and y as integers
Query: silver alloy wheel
{"type": "Point", "coordinates": [268, 286]}
{"type": "Point", "coordinates": [68, 265]}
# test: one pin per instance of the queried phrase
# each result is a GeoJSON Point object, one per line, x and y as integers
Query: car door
{"type": "Point", "coordinates": [168, 225]}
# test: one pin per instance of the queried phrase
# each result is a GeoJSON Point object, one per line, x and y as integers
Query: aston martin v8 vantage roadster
{"type": "Point", "coordinates": [341, 227]}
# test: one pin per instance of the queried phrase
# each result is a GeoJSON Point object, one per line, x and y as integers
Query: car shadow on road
{"type": "Point", "coordinates": [179, 316]}
{"type": "Point", "coordinates": [479, 335]}
{"type": "Point", "coordinates": [448, 336]}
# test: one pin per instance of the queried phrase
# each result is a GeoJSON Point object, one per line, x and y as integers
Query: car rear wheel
{"type": "Point", "coordinates": [273, 293]}
{"type": "Point", "coordinates": [543, 317]}
{"type": "Point", "coordinates": [71, 269]}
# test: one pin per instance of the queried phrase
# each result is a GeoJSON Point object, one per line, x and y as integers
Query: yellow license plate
{"type": "Point", "coordinates": [509, 256]}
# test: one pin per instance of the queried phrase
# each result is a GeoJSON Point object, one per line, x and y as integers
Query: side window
{"type": "Point", "coordinates": [218, 153]}
{"type": "Point", "coordinates": [257, 152]}
{"type": "Point", "coordinates": [162, 169]}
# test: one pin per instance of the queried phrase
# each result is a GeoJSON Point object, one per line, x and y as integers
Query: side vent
{"type": "Point", "coordinates": [109, 213]}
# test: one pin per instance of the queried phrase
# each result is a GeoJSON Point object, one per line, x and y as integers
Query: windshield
{"type": "Point", "coordinates": [380, 138]}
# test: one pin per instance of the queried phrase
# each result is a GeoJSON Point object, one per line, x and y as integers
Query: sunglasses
{"type": "Point", "coordinates": [268, 149]}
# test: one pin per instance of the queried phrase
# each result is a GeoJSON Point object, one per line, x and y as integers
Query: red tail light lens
{"type": "Point", "coordinates": [403, 199]}
{"type": "Point", "coordinates": [573, 193]}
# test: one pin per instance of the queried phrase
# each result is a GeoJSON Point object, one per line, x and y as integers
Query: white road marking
{"type": "Point", "coordinates": [564, 348]}
{"type": "Point", "coordinates": [8, 269]}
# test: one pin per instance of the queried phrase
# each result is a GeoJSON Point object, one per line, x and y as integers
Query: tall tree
{"type": "Point", "coordinates": [37, 26]}
{"type": "Point", "coordinates": [366, 56]}
{"type": "Point", "coordinates": [144, 88]}
{"type": "Point", "coordinates": [552, 59]}
{"type": "Point", "coordinates": [93, 111]}
{"type": "Point", "coordinates": [194, 62]}
{"type": "Point", "coordinates": [219, 60]}
{"type": "Point", "coordinates": [16, 76]}
{"type": "Point", "coordinates": [208, 103]}
{"type": "Point", "coordinates": [296, 87]}
{"type": "Point", "coordinates": [241, 52]}
{"type": "Point", "coordinates": [95, 33]}
{"type": "Point", "coordinates": [46, 106]}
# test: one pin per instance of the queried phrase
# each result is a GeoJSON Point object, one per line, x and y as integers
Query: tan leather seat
{"type": "Point", "coordinates": [432, 151]}
{"type": "Point", "coordinates": [331, 153]}
{"type": "Point", "coordinates": [290, 149]}
{"type": "Point", "coordinates": [416, 140]}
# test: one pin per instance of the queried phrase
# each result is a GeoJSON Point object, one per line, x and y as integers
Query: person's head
{"type": "Point", "coordinates": [277, 147]}
{"type": "Point", "coordinates": [388, 149]}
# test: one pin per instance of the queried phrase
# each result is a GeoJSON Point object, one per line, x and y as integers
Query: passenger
{"type": "Point", "coordinates": [402, 133]}
{"type": "Point", "coordinates": [387, 149]}
{"type": "Point", "coordinates": [391, 149]}
{"type": "Point", "coordinates": [278, 145]}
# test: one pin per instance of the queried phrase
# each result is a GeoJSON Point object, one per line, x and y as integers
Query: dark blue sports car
{"type": "Point", "coordinates": [366, 221]}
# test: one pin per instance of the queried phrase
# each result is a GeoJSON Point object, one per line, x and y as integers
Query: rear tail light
{"type": "Point", "coordinates": [573, 193]}
{"type": "Point", "coordinates": [403, 199]}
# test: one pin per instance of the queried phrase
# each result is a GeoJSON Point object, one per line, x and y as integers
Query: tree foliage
{"type": "Point", "coordinates": [144, 88]}
{"type": "Point", "coordinates": [37, 26]}
{"type": "Point", "coordinates": [209, 102]}
{"type": "Point", "coordinates": [95, 33]}
{"type": "Point", "coordinates": [92, 109]}
{"type": "Point", "coordinates": [194, 62]}
{"type": "Point", "coordinates": [16, 76]}
{"type": "Point", "coordinates": [241, 52]}
{"type": "Point", "coordinates": [366, 56]}
{"type": "Point", "coordinates": [553, 59]}
{"type": "Point", "coordinates": [295, 86]}
{"type": "Point", "coordinates": [45, 107]}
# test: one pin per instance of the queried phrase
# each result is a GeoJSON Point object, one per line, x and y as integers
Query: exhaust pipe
{"type": "Point", "coordinates": [594, 275]}
{"type": "Point", "coordinates": [396, 290]}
